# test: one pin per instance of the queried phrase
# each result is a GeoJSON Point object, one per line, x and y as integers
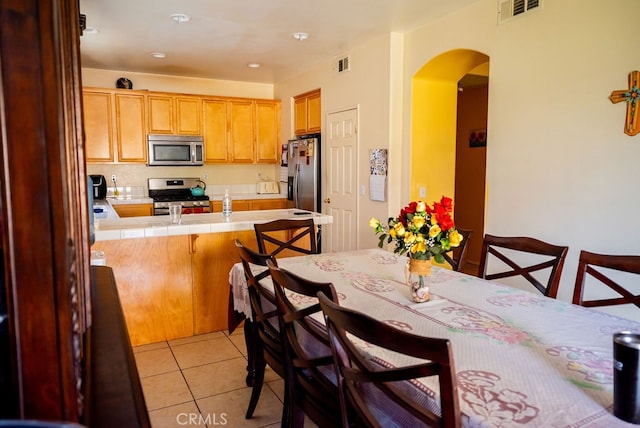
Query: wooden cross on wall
{"type": "Point", "coordinates": [632, 97]}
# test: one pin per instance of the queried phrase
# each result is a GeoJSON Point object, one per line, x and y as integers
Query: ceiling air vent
{"type": "Point", "coordinates": [343, 64]}
{"type": "Point", "coordinates": [512, 8]}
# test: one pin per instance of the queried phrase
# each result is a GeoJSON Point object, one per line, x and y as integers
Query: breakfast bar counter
{"type": "Point", "coordinates": [173, 279]}
{"type": "Point", "coordinates": [154, 226]}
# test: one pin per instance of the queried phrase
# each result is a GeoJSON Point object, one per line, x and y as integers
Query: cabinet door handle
{"type": "Point", "coordinates": [192, 249]}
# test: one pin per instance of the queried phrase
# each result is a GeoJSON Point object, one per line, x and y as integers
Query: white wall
{"type": "Point", "coordinates": [559, 166]}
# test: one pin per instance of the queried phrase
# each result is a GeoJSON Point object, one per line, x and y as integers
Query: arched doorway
{"type": "Point", "coordinates": [434, 136]}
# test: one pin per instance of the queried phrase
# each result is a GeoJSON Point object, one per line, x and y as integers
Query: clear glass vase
{"type": "Point", "coordinates": [419, 279]}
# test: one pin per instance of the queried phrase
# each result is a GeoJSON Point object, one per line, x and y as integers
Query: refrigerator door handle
{"type": "Point", "coordinates": [296, 183]}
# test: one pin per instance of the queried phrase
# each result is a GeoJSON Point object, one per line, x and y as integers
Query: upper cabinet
{"type": "Point", "coordinates": [241, 130]}
{"type": "Point", "coordinates": [267, 131]}
{"type": "Point", "coordinates": [174, 114]}
{"type": "Point", "coordinates": [115, 126]}
{"type": "Point", "coordinates": [307, 113]}
{"type": "Point", "coordinates": [98, 125]}
{"type": "Point", "coordinates": [131, 127]}
{"type": "Point", "coordinates": [235, 130]}
{"type": "Point", "coordinates": [214, 130]}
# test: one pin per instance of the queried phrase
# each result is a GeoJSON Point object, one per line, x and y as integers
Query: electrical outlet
{"type": "Point", "coordinates": [113, 178]}
{"type": "Point", "coordinates": [423, 192]}
{"type": "Point", "coordinates": [206, 175]}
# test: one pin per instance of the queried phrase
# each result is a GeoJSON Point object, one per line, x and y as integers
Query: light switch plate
{"type": "Point", "coordinates": [423, 192]}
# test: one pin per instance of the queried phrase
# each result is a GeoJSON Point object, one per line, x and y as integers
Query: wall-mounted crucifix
{"type": "Point", "coordinates": [631, 96]}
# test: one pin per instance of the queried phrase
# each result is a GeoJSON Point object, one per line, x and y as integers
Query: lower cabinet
{"type": "Point", "coordinates": [133, 210]}
{"type": "Point", "coordinates": [174, 286]}
{"type": "Point", "coordinates": [154, 280]}
{"type": "Point", "coordinates": [251, 204]}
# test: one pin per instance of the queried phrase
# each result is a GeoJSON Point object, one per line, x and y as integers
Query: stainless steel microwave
{"type": "Point", "coordinates": [175, 150]}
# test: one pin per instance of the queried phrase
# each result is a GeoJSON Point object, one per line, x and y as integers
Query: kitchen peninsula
{"type": "Point", "coordinates": [173, 279]}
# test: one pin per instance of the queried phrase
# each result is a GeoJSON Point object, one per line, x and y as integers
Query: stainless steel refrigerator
{"type": "Point", "coordinates": [304, 173]}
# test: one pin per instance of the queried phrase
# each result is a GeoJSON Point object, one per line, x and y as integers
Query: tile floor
{"type": "Point", "coordinates": [200, 381]}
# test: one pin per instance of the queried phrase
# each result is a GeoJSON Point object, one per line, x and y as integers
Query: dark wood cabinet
{"type": "Point", "coordinates": [44, 215]}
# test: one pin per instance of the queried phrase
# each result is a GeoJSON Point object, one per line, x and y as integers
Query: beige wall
{"type": "Point", "coordinates": [369, 87]}
{"type": "Point", "coordinates": [559, 166]}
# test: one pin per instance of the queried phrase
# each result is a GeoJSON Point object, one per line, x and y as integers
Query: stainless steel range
{"type": "Point", "coordinates": [167, 190]}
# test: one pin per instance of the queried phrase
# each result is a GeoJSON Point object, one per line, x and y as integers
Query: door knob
{"type": "Point", "coordinates": [327, 201]}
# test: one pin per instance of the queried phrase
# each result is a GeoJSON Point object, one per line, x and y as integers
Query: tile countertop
{"type": "Point", "coordinates": [146, 227]}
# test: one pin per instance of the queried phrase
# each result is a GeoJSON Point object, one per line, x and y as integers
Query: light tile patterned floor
{"type": "Point", "coordinates": [200, 382]}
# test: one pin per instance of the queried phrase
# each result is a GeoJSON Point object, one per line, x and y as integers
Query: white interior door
{"type": "Point", "coordinates": [340, 197]}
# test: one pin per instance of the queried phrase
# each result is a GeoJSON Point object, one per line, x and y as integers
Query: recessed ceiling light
{"type": "Point", "coordinates": [300, 36]}
{"type": "Point", "coordinates": [159, 55]}
{"type": "Point", "coordinates": [253, 65]}
{"type": "Point", "coordinates": [91, 30]}
{"type": "Point", "coordinates": [180, 17]}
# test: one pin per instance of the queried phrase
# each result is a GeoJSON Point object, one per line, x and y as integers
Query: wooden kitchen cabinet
{"type": "Point", "coordinates": [174, 114]}
{"type": "Point", "coordinates": [241, 131]}
{"type": "Point", "coordinates": [174, 286]}
{"type": "Point", "coordinates": [214, 130]}
{"type": "Point", "coordinates": [98, 125]}
{"type": "Point", "coordinates": [235, 130]}
{"type": "Point", "coordinates": [267, 131]}
{"type": "Point", "coordinates": [133, 210]}
{"type": "Point", "coordinates": [251, 204]}
{"type": "Point", "coordinates": [154, 280]}
{"type": "Point", "coordinates": [115, 126]}
{"type": "Point", "coordinates": [307, 113]}
{"type": "Point", "coordinates": [214, 254]}
{"type": "Point", "coordinates": [131, 135]}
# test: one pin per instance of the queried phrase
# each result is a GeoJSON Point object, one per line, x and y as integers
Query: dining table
{"type": "Point", "coordinates": [520, 358]}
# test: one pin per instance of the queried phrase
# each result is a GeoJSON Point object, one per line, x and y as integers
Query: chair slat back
{"type": "Point", "coordinates": [361, 380]}
{"type": "Point", "coordinates": [263, 306]}
{"type": "Point", "coordinates": [311, 374]}
{"type": "Point", "coordinates": [592, 264]}
{"type": "Point", "coordinates": [457, 257]}
{"type": "Point", "coordinates": [496, 245]}
{"type": "Point", "coordinates": [285, 238]}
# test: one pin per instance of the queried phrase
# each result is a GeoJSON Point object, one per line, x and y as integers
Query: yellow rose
{"type": "Point", "coordinates": [419, 246]}
{"type": "Point", "coordinates": [455, 238]}
{"type": "Point", "coordinates": [409, 238]}
{"type": "Point", "coordinates": [421, 207]}
{"type": "Point", "coordinates": [418, 221]}
{"type": "Point", "coordinates": [399, 229]}
{"type": "Point", "coordinates": [374, 223]}
{"type": "Point", "coordinates": [433, 232]}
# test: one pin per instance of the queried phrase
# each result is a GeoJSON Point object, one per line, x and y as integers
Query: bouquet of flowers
{"type": "Point", "coordinates": [421, 230]}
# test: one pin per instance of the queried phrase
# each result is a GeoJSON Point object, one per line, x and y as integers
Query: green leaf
{"type": "Point", "coordinates": [439, 258]}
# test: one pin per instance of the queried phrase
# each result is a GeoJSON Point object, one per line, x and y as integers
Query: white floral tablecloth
{"type": "Point", "coordinates": [520, 358]}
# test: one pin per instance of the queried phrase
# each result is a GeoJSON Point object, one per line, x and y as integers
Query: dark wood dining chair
{"type": "Point", "coordinates": [508, 248]}
{"type": "Point", "coordinates": [284, 238]}
{"type": "Point", "coordinates": [457, 257]}
{"type": "Point", "coordinates": [264, 346]}
{"type": "Point", "coordinates": [311, 375]}
{"type": "Point", "coordinates": [369, 391]}
{"type": "Point", "coordinates": [601, 268]}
